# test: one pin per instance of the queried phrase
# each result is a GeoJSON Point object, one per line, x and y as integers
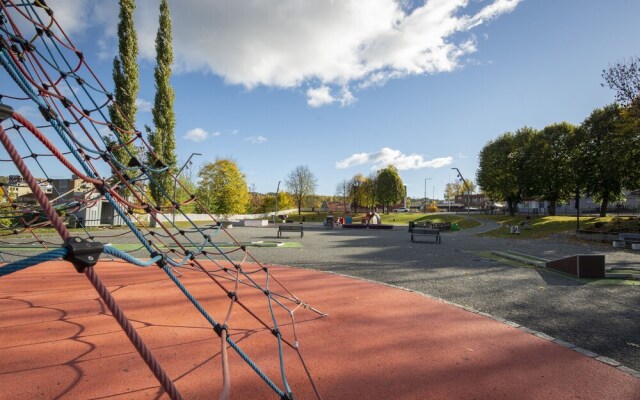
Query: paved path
{"type": "Point", "coordinates": [601, 318]}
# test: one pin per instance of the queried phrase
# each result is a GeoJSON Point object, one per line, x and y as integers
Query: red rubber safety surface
{"type": "Point", "coordinates": [57, 340]}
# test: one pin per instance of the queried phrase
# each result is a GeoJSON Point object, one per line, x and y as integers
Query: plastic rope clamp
{"type": "Point", "coordinates": [82, 253]}
{"type": "Point", "coordinates": [5, 111]}
{"type": "Point", "coordinates": [219, 328]}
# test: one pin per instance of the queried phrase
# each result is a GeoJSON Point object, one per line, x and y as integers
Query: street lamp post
{"type": "Point", "coordinates": [175, 184]}
{"type": "Point", "coordinates": [276, 210]}
{"type": "Point", "coordinates": [425, 193]}
{"type": "Point", "coordinates": [468, 193]}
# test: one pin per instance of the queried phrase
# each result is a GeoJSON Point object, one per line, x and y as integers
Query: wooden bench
{"type": "Point", "coordinates": [416, 231]}
{"type": "Point", "coordinates": [290, 228]}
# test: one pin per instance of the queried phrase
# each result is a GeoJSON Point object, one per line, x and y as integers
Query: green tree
{"type": "Point", "coordinates": [369, 188]}
{"type": "Point", "coordinates": [223, 188]}
{"type": "Point", "coordinates": [453, 189]}
{"type": "Point", "coordinates": [356, 191]}
{"type": "Point", "coordinates": [550, 164]}
{"type": "Point", "coordinates": [285, 202]}
{"type": "Point", "coordinates": [185, 188]}
{"type": "Point", "coordinates": [125, 79]}
{"type": "Point", "coordinates": [301, 183]}
{"type": "Point", "coordinates": [389, 187]}
{"type": "Point", "coordinates": [605, 154]}
{"type": "Point", "coordinates": [498, 171]}
{"type": "Point", "coordinates": [162, 140]}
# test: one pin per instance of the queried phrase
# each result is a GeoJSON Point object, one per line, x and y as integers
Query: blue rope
{"type": "Point", "coordinates": [277, 333]}
{"type": "Point", "coordinates": [213, 323]}
{"type": "Point", "coordinates": [130, 259]}
{"type": "Point", "coordinates": [32, 261]}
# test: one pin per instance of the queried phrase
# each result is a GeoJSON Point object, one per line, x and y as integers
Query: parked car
{"type": "Point", "coordinates": [402, 209]}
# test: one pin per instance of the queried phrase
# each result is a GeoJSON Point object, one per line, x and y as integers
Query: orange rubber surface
{"type": "Point", "coordinates": [58, 341]}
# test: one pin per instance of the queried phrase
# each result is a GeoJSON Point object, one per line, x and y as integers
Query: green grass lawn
{"type": "Point", "coordinates": [542, 227]}
{"type": "Point", "coordinates": [391, 218]}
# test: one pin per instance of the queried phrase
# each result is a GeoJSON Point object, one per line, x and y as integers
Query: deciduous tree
{"type": "Point", "coordinates": [497, 171]}
{"type": "Point", "coordinates": [604, 156]}
{"type": "Point", "coordinates": [356, 188]}
{"type": "Point", "coordinates": [369, 188]}
{"type": "Point", "coordinates": [223, 188]}
{"type": "Point", "coordinates": [342, 191]}
{"type": "Point", "coordinates": [301, 183]}
{"type": "Point", "coordinates": [550, 164]}
{"type": "Point", "coordinates": [389, 187]}
{"type": "Point", "coordinates": [624, 78]}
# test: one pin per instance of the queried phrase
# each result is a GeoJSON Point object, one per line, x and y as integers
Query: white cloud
{"type": "Point", "coordinates": [331, 46]}
{"type": "Point", "coordinates": [386, 156]}
{"type": "Point", "coordinates": [199, 135]}
{"type": "Point", "coordinates": [322, 96]}
{"type": "Point", "coordinates": [319, 97]}
{"type": "Point", "coordinates": [143, 105]}
{"type": "Point", "coordinates": [255, 139]}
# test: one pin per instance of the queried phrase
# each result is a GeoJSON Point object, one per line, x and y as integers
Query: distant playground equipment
{"type": "Point", "coordinates": [45, 71]}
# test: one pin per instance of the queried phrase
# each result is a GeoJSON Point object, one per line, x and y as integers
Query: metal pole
{"type": "Point", "coordinates": [425, 193]}
{"type": "Point", "coordinates": [468, 193]}
{"type": "Point", "coordinates": [175, 184]}
{"type": "Point", "coordinates": [276, 211]}
{"type": "Point", "coordinates": [449, 199]}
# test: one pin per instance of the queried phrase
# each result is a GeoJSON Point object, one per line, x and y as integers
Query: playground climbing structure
{"type": "Point", "coordinates": [54, 113]}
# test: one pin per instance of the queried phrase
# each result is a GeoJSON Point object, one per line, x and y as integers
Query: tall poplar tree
{"type": "Point", "coordinates": [162, 140]}
{"type": "Point", "coordinates": [125, 79]}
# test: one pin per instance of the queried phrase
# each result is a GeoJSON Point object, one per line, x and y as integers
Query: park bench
{"type": "Point", "coordinates": [418, 231]}
{"type": "Point", "coordinates": [441, 226]}
{"type": "Point", "coordinates": [421, 224]}
{"type": "Point", "coordinates": [290, 228]}
{"type": "Point", "coordinates": [627, 239]}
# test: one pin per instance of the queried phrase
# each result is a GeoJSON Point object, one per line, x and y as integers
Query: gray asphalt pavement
{"type": "Point", "coordinates": [604, 319]}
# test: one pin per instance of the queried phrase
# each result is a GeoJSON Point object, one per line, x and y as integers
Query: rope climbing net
{"type": "Point", "coordinates": [63, 119]}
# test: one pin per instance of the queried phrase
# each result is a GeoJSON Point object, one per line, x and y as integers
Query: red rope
{"type": "Point", "coordinates": [42, 138]}
{"type": "Point", "coordinates": [58, 224]}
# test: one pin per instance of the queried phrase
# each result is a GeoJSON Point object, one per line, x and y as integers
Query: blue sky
{"type": "Point", "coordinates": [346, 87]}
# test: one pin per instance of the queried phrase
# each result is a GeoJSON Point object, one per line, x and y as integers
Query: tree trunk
{"type": "Point", "coordinates": [510, 204]}
{"type": "Point", "coordinates": [604, 205]}
{"type": "Point", "coordinates": [552, 207]}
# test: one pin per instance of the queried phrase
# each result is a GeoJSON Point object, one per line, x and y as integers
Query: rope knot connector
{"type": "Point", "coordinates": [82, 253]}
